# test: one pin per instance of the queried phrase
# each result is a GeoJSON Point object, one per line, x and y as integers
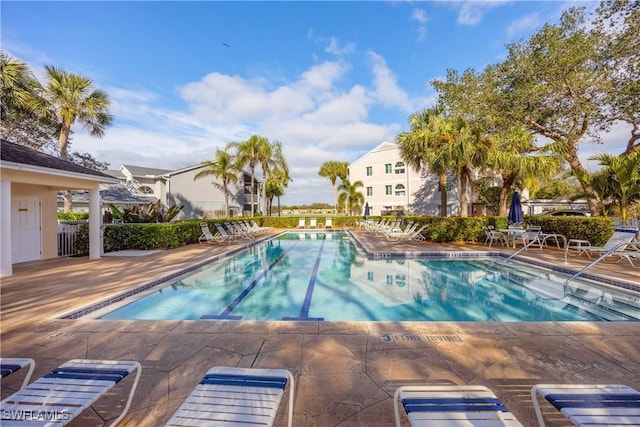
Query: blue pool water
{"type": "Point", "coordinates": [322, 276]}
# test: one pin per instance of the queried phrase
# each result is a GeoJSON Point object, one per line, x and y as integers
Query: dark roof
{"type": "Point", "coordinates": [115, 173]}
{"type": "Point", "coordinates": [10, 152]}
{"type": "Point", "coordinates": [117, 194]}
{"type": "Point", "coordinates": [144, 171]}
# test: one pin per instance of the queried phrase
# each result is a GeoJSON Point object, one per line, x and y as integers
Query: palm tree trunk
{"type": "Point", "coordinates": [226, 200]}
{"type": "Point", "coordinates": [251, 191]}
{"type": "Point", "coordinates": [335, 198]}
{"type": "Point", "coordinates": [592, 200]}
{"type": "Point", "coordinates": [464, 206]}
{"type": "Point", "coordinates": [507, 183]}
{"type": "Point", "coordinates": [63, 142]}
{"type": "Point", "coordinates": [443, 194]}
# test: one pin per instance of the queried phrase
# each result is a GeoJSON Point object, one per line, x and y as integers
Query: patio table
{"type": "Point", "coordinates": [512, 233]}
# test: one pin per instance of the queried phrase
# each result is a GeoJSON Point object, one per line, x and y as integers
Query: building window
{"type": "Point", "coordinates": [369, 170]}
{"type": "Point", "coordinates": [399, 190]}
{"type": "Point", "coordinates": [387, 168]}
{"type": "Point", "coordinates": [399, 168]}
{"type": "Point", "coordinates": [369, 191]}
{"type": "Point", "coordinates": [144, 189]}
{"type": "Point", "coordinates": [387, 190]}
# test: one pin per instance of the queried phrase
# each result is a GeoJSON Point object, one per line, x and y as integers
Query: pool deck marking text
{"type": "Point", "coordinates": [227, 311]}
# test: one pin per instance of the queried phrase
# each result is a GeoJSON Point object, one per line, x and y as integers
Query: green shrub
{"type": "Point", "coordinates": [596, 230]}
{"type": "Point", "coordinates": [73, 216]}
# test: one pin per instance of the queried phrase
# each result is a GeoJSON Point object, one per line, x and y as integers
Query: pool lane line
{"type": "Point", "coordinates": [225, 315]}
{"type": "Point", "coordinates": [304, 313]}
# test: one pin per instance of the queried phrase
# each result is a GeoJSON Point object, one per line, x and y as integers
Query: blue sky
{"type": "Point", "coordinates": [329, 80]}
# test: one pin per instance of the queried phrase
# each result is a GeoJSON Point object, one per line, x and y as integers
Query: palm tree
{"type": "Point", "coordinates": [350, 196]}
{"type": "Point", "coordinates": [16, 80]}
{"type": "Point", "coordinates": [19, 123]}
{"type": "Point", "coordinates": [279, 177]}
{"type": "Point", "coordinates": [623, 178]}
{"type": "Point", "coordinates": [224, 168]}
{"type": "Point", "coordinates": [334, 170]}
{"type": "Point", "coordinates": [510, 157]}
{"type": "Point", "coordinates": [251, 152]}
{"type": "Point", "coordinates": [68, 98]}
{"type": "Point", "coordinates": [420, 147]}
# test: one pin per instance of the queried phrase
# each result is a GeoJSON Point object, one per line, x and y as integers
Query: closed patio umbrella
{"type": "Point", "coordinates": [515, 210]}
{"type": "Point", "coordinates": [367, 210]}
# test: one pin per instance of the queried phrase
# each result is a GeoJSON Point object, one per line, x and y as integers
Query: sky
{"type": "Point", "coordinates": [329, 80]}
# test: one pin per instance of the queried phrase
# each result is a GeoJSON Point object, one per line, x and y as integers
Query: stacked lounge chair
{"type": "Point", "coordinates": [452, 406]}
{"type": "Point", "coordinates": [236, 396]}
{"type": "Point", "coordinates": [591, 404]}
{"type": "Point", "coordinates": [62, 394]}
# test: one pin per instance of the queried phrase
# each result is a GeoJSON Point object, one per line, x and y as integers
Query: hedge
{"type": "Point", "coordinates": [597, 230]}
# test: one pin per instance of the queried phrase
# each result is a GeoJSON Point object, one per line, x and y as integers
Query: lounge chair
{"type": "Point", "coordinates": [9, 366]}
{"type": "Point", "coordinates": [66, 391]}
{"type": "Point", "coordinates": [531, 236]}
{"type": "Point", "coordinates": [239, 230]}
{"type": "Point", "coordinates": [452, 405]}
{"type": "Point", "coordinates": [493, 235]}
{"type": "Point", "coordinates": [257, 229]}
{"type": "Point", "coordinates": [591, 404]}
{"type": "Point", "coordinates": [405, 234]}
{"type": "Point", "coordinates": [207, 236]}
{"type": "Point", "coordinates": [328, 223]}
{"type": "Point", "coordinates": [620, 235]}
{"type": "Point", "coordinates": [224, 234]}
{"type": "Point", "coordinates": [236, 396]}
{"type": "Point", "coordinates": [302, 223]}
{"type": "Point", "coordinates": [313, 223]}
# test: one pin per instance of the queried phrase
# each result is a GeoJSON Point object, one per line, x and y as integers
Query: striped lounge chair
{"type": "Point", "coordinates": [62, 394]}
{"type": "Point", "coordinates": [236, 396]}
{"type": "Point", "coordinates": [9, 366]}
{"type": "Point", "coordinates": [591, 404]}
{"type": "Point", "coordinates": [452, 406]}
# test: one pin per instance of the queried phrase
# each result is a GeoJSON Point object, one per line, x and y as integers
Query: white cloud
{"type": "Point", "coordinates": [385, 85]}
{"type": "Point", "coordinates": [525, 24]}
{"type": "Point", "coordinates": [472, 12]}
{"type": "Point", "coordinates": [420, 16]}
{"type": "Point", "coordinates": [335, 49]}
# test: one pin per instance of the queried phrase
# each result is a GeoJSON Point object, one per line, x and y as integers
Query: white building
{"type": "Point", "coordinates": [201, 198]}
{"type": "Point", "coordinates": [391, 186]}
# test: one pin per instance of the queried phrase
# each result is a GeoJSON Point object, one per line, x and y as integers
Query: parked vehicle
{"type": "Point", "coordinates": [566, 212]}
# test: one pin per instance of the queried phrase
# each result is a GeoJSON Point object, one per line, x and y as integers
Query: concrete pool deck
{"type": "Point", "coordinates": [346, 372]}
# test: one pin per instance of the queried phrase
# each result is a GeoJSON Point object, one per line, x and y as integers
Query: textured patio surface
{"type": "Point", "coordinates": [346, 372]}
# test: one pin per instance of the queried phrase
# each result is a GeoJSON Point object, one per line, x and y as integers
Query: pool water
{"type": "Point", "coordinates": [321, 276]}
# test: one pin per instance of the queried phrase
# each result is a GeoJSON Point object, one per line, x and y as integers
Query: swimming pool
{"type": "Point", "coordinates": [322, 276]}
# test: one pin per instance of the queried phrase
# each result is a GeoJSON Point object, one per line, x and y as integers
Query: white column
{"type": "Point", "coordinates": [6, 268]}
{"type": "Point", "coordinates": [95, 220]}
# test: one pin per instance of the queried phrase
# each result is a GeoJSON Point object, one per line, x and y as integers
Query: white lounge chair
{"type": "Point", "coordinates": [207, 236]}
{"type": "Point", "coordinates": [302, 223]}
{"type": "Point", "coordinates": [9, 366]}
{"type": "Point", "coordinates": [591, 404]}
{"type": "Point", "coordinates": [531, 237]}
{"type": "Point", "coordinates": [224, 234]}
{"type": "Point", "coordinates": [452, 405]}
{"type": "Point", "coordinates": [620, 235]}
{"type": "Point", "coordinates": [328, 223]}
{"type": "Point", "coordinates": [66, 391]}
{"type": "Point", "coordinates": [236, 396]}
{"type": "Point", "coordinates": [493, 235]}
{"type": "Point", "coordinates": [313, 223]}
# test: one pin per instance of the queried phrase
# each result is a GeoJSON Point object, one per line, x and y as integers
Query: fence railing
{"type": "Point", "coordinates": [67, 236]}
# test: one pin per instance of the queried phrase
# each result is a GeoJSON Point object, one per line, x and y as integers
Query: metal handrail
{"type": "Point", "coordinates": [616, 248]}
{"type": "Point", "coordinates": [525, 247]}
